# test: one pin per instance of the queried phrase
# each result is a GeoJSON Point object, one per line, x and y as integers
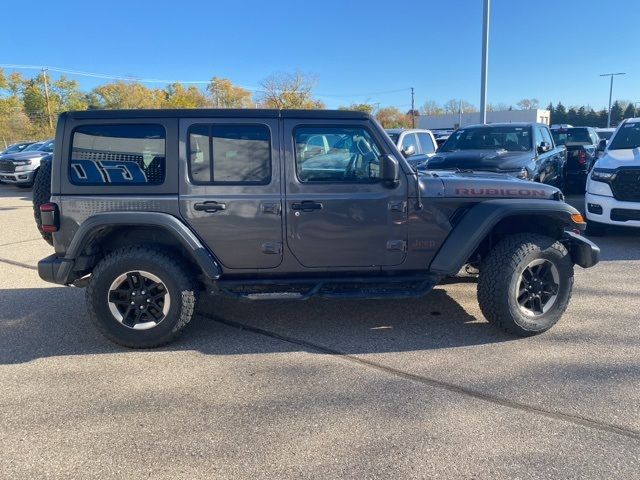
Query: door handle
{"type": "Point", "coordinates": [209, 207]}
{"type": "Point", "coordinates": [306, 206]}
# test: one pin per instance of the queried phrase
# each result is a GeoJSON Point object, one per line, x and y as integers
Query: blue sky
{"type": "Point", "coordinates": [547, 49]}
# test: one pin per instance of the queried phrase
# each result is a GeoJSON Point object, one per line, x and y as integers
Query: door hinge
{"type": "Point", "coordinates": [272, 208]}
{"type": "Point", "coordinates": [272, 248]}
{"type": "Point", "coordinates": [397, 246]}
{"type": "Point", "coordinates": [398, 206]}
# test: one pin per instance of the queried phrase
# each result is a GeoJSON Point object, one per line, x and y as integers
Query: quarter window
{"type": "Point", "coordinates": [335, 154]}
{"type": "Point", "coordinates": [233, 154]}
{"type": "Point", "coordinates": [127, 154]}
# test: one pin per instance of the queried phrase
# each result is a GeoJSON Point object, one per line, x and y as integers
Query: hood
{"type": "Point", "coordinates": [24, 155]}
{"type": "Point", "coordinates": [613, 159]}
{"type": "Point", "coordinates": [486, 185]}
{"type": "Point", "coordinates": [479, 160]}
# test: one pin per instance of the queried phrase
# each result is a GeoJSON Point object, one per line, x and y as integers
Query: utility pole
{"type": "Point", "coordinates": [46, 96]}
{"type": "Point", "coordinates": [460, 114]}
{"type": "Point", "coordinates": [413, 112]}
{"type": "Point", "coordinates": [485, 62]}
{"type": "Point", "coordinates": [611, 75]}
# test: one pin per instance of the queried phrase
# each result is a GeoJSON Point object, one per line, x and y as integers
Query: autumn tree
{"type": "Point", "coordinates": [431, 107]}
{"type": "Point", "coordinates": [289, 90]}
{"type": "Point", "coordinates": [528, 103]}
{"type": "Point", "coordinates": [177, 96]}
{"type": "Point", "coordinates": [224, 94]}
{"type": "Point", "coordinates": [392, 117]}
{"type": "Point", "coordinates": [127, 95]}
{"type": "Point", "coordinates": [453, 106]}
{"type": "Point", "coordinates": [358, 107]}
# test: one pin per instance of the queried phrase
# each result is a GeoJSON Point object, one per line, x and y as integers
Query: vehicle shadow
{"type": "Point", "coordinates": [57, 324]}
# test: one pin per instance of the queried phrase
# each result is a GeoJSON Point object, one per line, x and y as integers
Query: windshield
{"type": "Point", "coordinates": [606, 135]}
{"type": "Point", "coordinates": [394, 137]}
{"type": "Point", "coordinates": [571, 135]}
{"type": "Point", "coordinates": [627, 136]}
{"type": "Point", "coordinates": [47, 147]}
{"type": "Point", "coordinates": [18, 147]}
{"type": "Point", "coordinates": [512, 139]}
{"type": "Point", "coordinates": [33, 146]}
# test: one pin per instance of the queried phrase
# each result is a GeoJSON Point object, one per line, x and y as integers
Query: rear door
{"type": "Point", "coordinates": [230, 194]}
{"type": "Point", "coordinates": [338, 212]}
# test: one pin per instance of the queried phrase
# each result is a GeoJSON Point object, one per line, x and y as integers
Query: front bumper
{"type": "Point", "coordinates": [583, 251]}
{"type": "Point", "coordinates": [18, 177]}
{"type": "Point", "coordinates": [607, 205]}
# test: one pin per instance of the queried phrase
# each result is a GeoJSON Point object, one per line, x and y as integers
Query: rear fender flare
{"type": "Point", "coordinates": [173, 226]}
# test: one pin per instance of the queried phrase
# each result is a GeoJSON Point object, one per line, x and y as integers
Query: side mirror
{"type": "Point", "coordinates": [408, 151]}
{"type": "Point", "coordinates": [602, 144]}
{"type": "Point", "coordinates": [544, 147]}
{"type": "Point", "coordinates": [389, 171]}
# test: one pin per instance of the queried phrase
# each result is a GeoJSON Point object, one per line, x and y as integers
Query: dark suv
{"type": "Point", "coordinates": [151, 208]}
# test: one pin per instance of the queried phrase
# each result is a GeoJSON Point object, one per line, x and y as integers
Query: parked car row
{"type": "Point", "coordinates": [603, 162]}
{"type": "Point", "coordinates": [20, 162]}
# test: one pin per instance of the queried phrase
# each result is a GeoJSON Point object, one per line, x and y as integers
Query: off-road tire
{"type": "Point", "coordinates": [179, 283]}
{"type": "Point", "coordinates": [41, 195]}
{"type": "Point", "coordinates": [595, 229]}
{"type": "Point", "coordinates": [500, 272]}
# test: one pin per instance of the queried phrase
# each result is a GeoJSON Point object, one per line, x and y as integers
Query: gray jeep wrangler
{"type": "Point", "coordinates": [151, 208]}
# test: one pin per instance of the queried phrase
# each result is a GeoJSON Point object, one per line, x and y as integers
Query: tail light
{"type": "Point", "coordinates": [582, 157]}
{"type": "Point", "coordinates": [49, 217]}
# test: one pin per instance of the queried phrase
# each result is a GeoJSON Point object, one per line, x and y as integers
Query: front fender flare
{"type": "Point", "coordinates": [477, 223]}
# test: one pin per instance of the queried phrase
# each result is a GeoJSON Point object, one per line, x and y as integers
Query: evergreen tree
{"type": "Point", "coordinates": [630, 111]}
{"type": "Point", "coordinates": [560, 114]}
{"type": "Point", "coordinates": [616, 113]}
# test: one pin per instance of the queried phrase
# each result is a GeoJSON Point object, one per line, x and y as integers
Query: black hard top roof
{"type": "Point", "coordinates": [215, 113]}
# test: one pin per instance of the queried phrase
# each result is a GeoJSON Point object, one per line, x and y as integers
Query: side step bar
{"type": "Point", "coordinates": [338, 287]}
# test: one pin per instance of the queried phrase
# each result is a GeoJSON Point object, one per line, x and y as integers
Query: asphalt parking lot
{"type": "Point", "coordinates": [320, 389]}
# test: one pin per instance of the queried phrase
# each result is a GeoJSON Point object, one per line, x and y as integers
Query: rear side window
{"type": "Point", "coordinates": [426, 143]}
{"type": "Point", "coordinates": [230, 154]}
{"type": "Point", "coordinates": [127, 154]}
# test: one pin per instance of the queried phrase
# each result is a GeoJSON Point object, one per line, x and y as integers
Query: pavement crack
{"type": "Point", "coordinates": [18, 264]}
{"type": "Point", "coordinates": [20, 241]}
{"type": "Point", "coordinates": [451, 387]}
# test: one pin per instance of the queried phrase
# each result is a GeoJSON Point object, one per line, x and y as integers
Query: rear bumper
{"type": "Point", "coordinates": [54, 269]}
{"type": "Point", "coordinates": [583, 251]}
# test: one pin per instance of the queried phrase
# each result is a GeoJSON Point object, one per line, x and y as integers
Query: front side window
{"type": "Point", "coordinates": [546, 136]}
{"type": "Point", "coordinates": [232, 154]}
{"type": "Point", "coordinates": [511, 139]}
{"type": "Point", "coordinates": [336, 154]}
{"type": "Point", "coordinates": [127, 154]}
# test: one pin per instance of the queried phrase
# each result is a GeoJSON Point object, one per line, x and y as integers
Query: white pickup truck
{"type": "Point", "coordinates": [613, 186]}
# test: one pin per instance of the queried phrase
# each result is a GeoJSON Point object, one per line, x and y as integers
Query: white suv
{"type": "Point", "coordinates": [613, 186]}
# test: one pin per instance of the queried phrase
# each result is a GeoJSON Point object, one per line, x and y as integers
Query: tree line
{"type": "Point", "coordinates": [29, 106]}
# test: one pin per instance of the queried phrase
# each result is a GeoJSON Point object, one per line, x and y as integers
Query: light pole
{"type": "Point", "coordinates": [610, 93]}
{"type": "Point", "coordinates": [485, 62]}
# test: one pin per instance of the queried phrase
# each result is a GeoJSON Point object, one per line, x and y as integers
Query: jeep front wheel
{"type": "Point", "coordinates": [140, 297]}
{"type": "Point", "coordinates": [525, 283]}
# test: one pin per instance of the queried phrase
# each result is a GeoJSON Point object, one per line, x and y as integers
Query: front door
{"type": "Point", "coordinates": [338, 212]}
{"type": "Point", "coordinates": [230, 194]}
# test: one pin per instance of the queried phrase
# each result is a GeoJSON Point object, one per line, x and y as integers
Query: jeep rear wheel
{"type": "Point", "coordinates": [525, 283]}
{"type": "Point", "coordinates": [140, 297]}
